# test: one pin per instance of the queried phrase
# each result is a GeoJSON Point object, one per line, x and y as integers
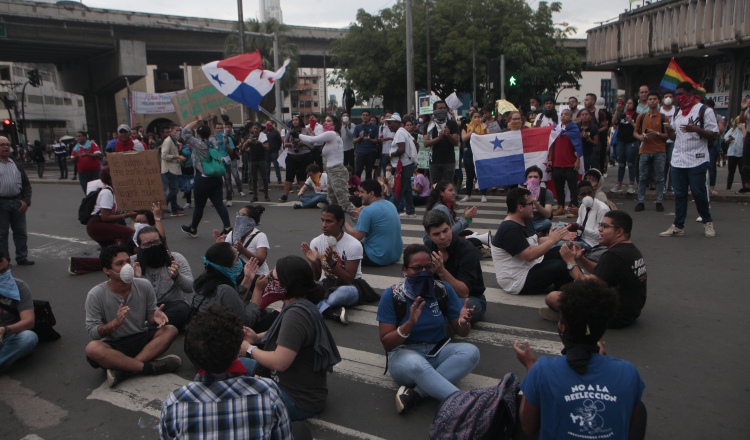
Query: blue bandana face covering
{"type": "Point", "coordinates": [8, 287]}
{"type": "Point", "coordinates": [242, 225]}
{"type": "Point", "coordinates": [230, 272]}
{"type": "Point", "coordinates": [420, 284]}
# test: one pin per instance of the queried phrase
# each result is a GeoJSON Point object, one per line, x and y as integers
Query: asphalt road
{"type": "Point", "coordinates": [690, 344]}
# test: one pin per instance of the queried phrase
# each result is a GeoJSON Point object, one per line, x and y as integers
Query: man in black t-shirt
{"type": "Point", "coordinates": [257, 145]}
{"type": "Point", "coordinates": [620, 267]}
{"type": "Point", "coordinates": [17, 340]}
{"type": "Point", "coordinates": [442, 137]}
{"type": "Point", "coordinates": [272, 155]}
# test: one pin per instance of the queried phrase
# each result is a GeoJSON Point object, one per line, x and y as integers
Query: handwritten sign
{"type": "Point", "coordinates": [136, 179]}
{"type": "Point", "coordinates": [200, 101]}
{"type": "Point", "coordinates": [153, 103]}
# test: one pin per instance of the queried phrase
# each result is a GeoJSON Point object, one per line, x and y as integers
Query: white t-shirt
{"type": "Point", "coordinates": [333, 146]}
{"type": "Point", "coordinates": [259, 241]}
{"type": "Point", "coordinates": [262, 138]}
{"type": "Point", "coordinates": [322, 183]}
{"type": "Point", "coordinates": [94, 185]}
{"type": "Point", "coordinates": [386, 133]}
{"type": "Point", "coordinates": [105, 200]}
{"type": "Point", "coordinates": [690, 150]}
{"type": "Point", "coordinates": [138, 146]}
{"type": "Point", "coordinates": [410, 151]}
{"type": "Point", "coordinates": [510, 271]}
{"type": "Point", "coordinates": [546, 122]}
{"type": "Point", "coordinates": [591, 228]}
{"type": "Point", "coordinates": [348, 248]}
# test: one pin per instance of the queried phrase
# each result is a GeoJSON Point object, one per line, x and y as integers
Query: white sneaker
{"type": "Point", "coordinates": [615, 189]}
{"type": "Point", "coordinates": [631, 189]}
{"type": "Point", "coordinates": [403, 214]}
{"type": "Point", "coordinates": [187, 206]}
{"type": "Point", "coordinates": [466, 199]}
{"type": "Point", "coordinates": [229, 203]}
{"type": "Point", "coordinates": [322, 205]}
{"type": "Point", "coordinates": [484, 199]}
{"type": "Point", "coordinates": [699, 219]}
{"type": "Point", "coordinates": [709, 229]}
{"type": "Point", "coordinates": [674, 231]}
{"type": "Point", "coordinates": [242, 194]}
{"type": "Point", "coordinates": [604, 175]}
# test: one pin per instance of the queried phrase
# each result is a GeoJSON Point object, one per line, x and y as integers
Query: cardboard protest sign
{"type": "Point", "coordinates": [200, 101]}
{"type": "Point", "coordinates": [504, 106]}
{"type": "Point", "coordinates": [136, 179]}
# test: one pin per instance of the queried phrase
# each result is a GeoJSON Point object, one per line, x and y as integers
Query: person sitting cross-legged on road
{"type": "Point", "coordinates": [411, 318]}
{"type": "Point", "coordinates": [116, 315]}
{"type": "Point", "coordinates": [524, 262]}
{"type": "Point", "coordinates": [339, 256]}
{"type": "Point", "coordinates": [621, 267]}
{"type": "Point", "coordinates": [17, 340]}
{"type": "Point", "coordinates": [456, 261]}
{"type": "Point", "coordinates": [318, 183]}
{"type": "Point", "coordinates": [224, 400]}
{"type": "Point", "coordinates": [584, 393]}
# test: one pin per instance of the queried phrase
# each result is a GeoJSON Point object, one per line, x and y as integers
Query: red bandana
{"type": "Point", "coordinates": [235, 368]}
{"type": "Point", "coordinates": [686, 103]}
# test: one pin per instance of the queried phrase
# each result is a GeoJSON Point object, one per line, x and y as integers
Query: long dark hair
{"type": "Point", "coordinates": [207, 283]}
{"type": "Point", "coordinates": [296, 277]}
{"type": "Point", "coordinates": [436, 197]}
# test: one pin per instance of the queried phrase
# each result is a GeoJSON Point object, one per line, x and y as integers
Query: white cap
{"type": "Point", "coordinates": [394, 118]}
{"type": "Point", "coordinates": [601, 104]}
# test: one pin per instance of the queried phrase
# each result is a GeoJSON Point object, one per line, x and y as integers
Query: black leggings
{"type": "Point", "coordinates": [552, 270]}
{"type": "Point", "coordinates": [208, 188]}
{"type": "Point", "coordinates": [734, 163]}
{"type": "Point", "coordinates": [561, 176]}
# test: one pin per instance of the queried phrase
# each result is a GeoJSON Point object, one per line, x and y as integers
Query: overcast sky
{"type": "Point", "coordinates": [579, 13]}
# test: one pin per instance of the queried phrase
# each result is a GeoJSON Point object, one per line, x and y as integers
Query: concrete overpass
{"type": "Point", "coordinates": [97, 50]}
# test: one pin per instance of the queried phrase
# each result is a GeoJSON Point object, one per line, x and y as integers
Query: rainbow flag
{"type": "Point", "coordinates": [674, 75]}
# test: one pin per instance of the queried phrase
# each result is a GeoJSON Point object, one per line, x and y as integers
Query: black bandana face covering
{"type": "Point", "coordinates": [420, 284]}
{"type": "Point", "coordinates": [155, 256]}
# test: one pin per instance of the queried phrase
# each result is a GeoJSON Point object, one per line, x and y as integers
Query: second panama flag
{"type": "Point", "coordinates": [243, 79]}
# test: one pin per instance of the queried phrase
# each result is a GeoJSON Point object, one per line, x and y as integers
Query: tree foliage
{"type": "Point", "coordinates": [265, 46]}
{"type": "Point", "coordinates": [372, 56]}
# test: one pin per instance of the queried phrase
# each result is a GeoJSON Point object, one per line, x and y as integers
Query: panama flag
{"type": "Point", "coordinates": [243, 79]}
{"type": "Point", "coordinates": [501, 159]}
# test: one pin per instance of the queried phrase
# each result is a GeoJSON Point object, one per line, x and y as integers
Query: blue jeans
{"type": "Point", "coordinates": [627, 153]}
{"type": "Point", "coordinates": [310, 200]}
{"type": "Point", "coordinates": [646, 160]}
{"type": "Point", "coordinates": [696, 178]}
{"type": "Point", "coordinates": [85, 178]}
{"type": "Point", "coordinates": [542, 225]}
{"type": "Point", "coordinates": [272, 157]}
{"type": "Point", "coordinates": [407, 171]}
{"type": "Point", "coordinates": [232, 171]}
{"type": "Point", "coordinates": [365, 160]}
{"type": "Point", "coordinates": [480, 302]}
{"type": "Point", "coordinates": [173, 184]}
{"type": "Point", "coordinates": [344, 296]}
{"type": "Point", "coordinates": [667, 174]}
{"type": "Point", "coordinates": [433, 376]}
{"type": "Point", "coordinates": [16, 221]}
{"type": "Point", "coordinates": [17, 346]}
{"type": "Point", "coordinates": [62, 164]}
{"type": "Point", "coordinates": [713, 154]}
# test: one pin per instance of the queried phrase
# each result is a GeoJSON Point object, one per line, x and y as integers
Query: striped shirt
{"type": "Point", "coordinates": [10, 179]}
{"type": "Point", "coordinates": [690, 150]}
{"type": "Point", "coordinates": [225, 406]}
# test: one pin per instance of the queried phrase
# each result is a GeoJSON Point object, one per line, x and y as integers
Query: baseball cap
{"type": "Point", "coordinates": [394, 118]}
{"type": "Point", "coordinates": [123, 127]}
{"type": "Point", "coordinates": [601, 104]}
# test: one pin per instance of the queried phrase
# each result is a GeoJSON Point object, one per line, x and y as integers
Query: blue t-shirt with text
{"type": "Point", "coordinates": [382, 227]}
{"type": "Point", "coordinates": [597, 405]}
{"type": "Point", "coordinates": [430, 328]}
{"type": "Point", "coordinates": [366, 145]}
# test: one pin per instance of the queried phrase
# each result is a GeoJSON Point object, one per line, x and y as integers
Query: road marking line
{"type": "Point", "coordinates": [58, 237]}
{"type": "Point", "coordinates": [492, 294]}
{"type": "Point", "coordinates": [140, 393]}
{"type": "Point", "coordinates": [30, 409]}
{"type": "Point", "coordinates": [418, 240]}
{"type": "Point", "coordinates": [342, 429]}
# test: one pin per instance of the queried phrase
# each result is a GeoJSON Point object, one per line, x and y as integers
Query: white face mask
{"type": "Point", "coordinates": [533, 108]}
{"type": "Point", "coordinates": [127, 273]}
{"type": "Point", "coordinates": [345, 119]}
{"type": "Point", "coordinates": [331, 241]}
{"type": "Point", "coordinates": [668, 101]}
{"type": "Point", "coordinates": [587, 202]}
{"type": "Point", "coordinates": [388, 174]}
{"type": "Point", "coordinates": [421, 121]}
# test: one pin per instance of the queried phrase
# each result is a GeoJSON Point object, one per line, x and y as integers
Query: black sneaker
{"type": "Point", "coordinates": [659, 207]}
{"type": "Point", "coordinates": [640, 207]}
{"type": "Point", "coordinates": [406, 398]}
{"type": "Point", "coordinates": [337, 315]}
{"type": "Point", "coordinates": [267, 199]}
{"type": "Point", "coordinates": [189, 231]}
{"type": "Point", "coordinates": [283, 198]}
{"type": "Point", "coordinates": [255, 199]}
{"type": "Point", "coordinates": [743, 190]}
{"type": "Point", "coordinates": [114, 377]}
{"type": "Point", "coordinates": [166, 364]}
{"type": "Point", "coordinates": [71, 267]}
{"type": "Point", "coordinates": [297, 206]}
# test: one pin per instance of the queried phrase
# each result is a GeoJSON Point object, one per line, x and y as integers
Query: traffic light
{"type": "Point", "coordinates": [512, 81]}
{"type": "Point", "coordinates": [512, 73]}
{"type": "Point", "coordinates": [10, 131]}
{"type": "Point", "coordinates": [35, 79]}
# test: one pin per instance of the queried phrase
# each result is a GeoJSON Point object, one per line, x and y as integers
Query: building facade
{"type": "Point", "coordinates": [271, 9]}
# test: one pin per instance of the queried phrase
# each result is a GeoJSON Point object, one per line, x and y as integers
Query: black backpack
{"type": "Point", "coordinates": [87, 205]}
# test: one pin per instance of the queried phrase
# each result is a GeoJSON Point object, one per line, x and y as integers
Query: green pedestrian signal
{"type": "Point", "coordinates": [512, 81]}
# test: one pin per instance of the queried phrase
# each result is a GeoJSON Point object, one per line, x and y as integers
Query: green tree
{"type": "Point", "coordinates": [265, 47]}
{"type": "Point", "coordinates": [373, 54]}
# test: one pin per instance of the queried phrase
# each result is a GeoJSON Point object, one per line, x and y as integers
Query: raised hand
{"type": "Point", "coordinates": [415, 311]}
{"type": "Point", "coordinates": [466, 313]}
{"type": "Point", "coordinates": [160, 318]}
{"type": "Point", "coordinates": [311, 254]}
{"type": "Point", "coordinates": [251, 267]}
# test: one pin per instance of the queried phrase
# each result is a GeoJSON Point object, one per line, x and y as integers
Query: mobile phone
{"type": "Point", "coordinates": [620, 101]}
{"type": "Point", "coordinates": [439, 346]}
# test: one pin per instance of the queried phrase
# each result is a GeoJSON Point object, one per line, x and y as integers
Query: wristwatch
{"type": "Point", "coordinates": [8, 331]}
{"type": "Point", "coordinates": [250, 351]}
{"type": "Point", "coordinates": [571, 266]}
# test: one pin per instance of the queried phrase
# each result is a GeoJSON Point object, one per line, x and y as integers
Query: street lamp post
{"type": "Point", "coordinates": [409, 61]}
{"type": "Point", "coordinates": [241, 28]}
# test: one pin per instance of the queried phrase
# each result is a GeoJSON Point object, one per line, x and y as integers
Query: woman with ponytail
{"type": "Point", "coordinates": [584, 391]}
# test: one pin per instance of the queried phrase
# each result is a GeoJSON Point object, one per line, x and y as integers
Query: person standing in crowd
{"type": "Point", "coordinates": [205, 187]}
{"type": "Point", "coordinates": [745, 166]}
{"type": "Point", "coordinates": [298, 349]}
{"type": "Point", "coordinates": [257, 146]}
{"type": "Point", "coordinates": [107, 224]}
{"type": "Point", "coordinates": [535, 109]}
{"type": "Point", "coordinates": [651, 129]}
{"type": "Point", "coordinates": [38, 153]}
{"type": "Point", "coordinates": [565, 159]}
{"type": "Point", "coordinates": [642, 107]}
{"type": "Point", "coordinates": [314, 129]}
{"type": "Point", "coordinates": [669, 110]}
{"type": "Point", "coordinates": [298, 157]}
{"type": "Point", "coordinates": [549, 408]}
{"type": "Point", "coordinates": [378, 226]}
{"type": "Point", "coordinates": [365, 138]}
{"type": "Point", "coordinates": [338, 256]}
{"type": "Point", "coordinates": [735, 137]}
{"type": "Point", "coordinates": [385, 139]}
{"type": "Point", "coordinates": [403, 158]}
{"type": "Point", "coordinates": [525, 263]}
{"type": "Point", "coordinates": [475, 126]}
{"type": "Point", "coordinates": [171, 168]}
{"type": "Point", "coordinates": [17, 340]}
{"type": "Point", "coordinates": [222, 136]}
{"type": "Point", "coordinates": [714, 147]}
{"type": "Point", "coordinates": [15, 199]}
{"type": "Point", "coordinates": [272, 155]}
{"type": "Point", "coordinates": [127, 140]}
{"type": "Point", "coordinates": [692, 130]}
{"type": "Point", "coordinates": [127, 330]}
{"type": "Point", "coordinates": [589, 136]}
{"type": "Point", "coordinates": [627, 144]}
{"type": "Point", "coordinates": [442, 136]}
{"type": "Point", "coordinates": [61, 156]}
{"type": "Point", "coordinates": [541, 198]}
{"type": "Point", "coordinates": [168, 272]}
{"type": "Point", "coordinates": [332, 149]}
{"type": "Point", "coordinates": [549, 115]}
{"type": "Point", "coordinates": [411, 320]}
{"type": "Point", "coordinates": [110, 147]}
{"type": "Point", "coordinates": [87, 158]}
{"type": "Point", "coordinates": [347, 137]}
{"type": "Point", "coordinates": [573, 106]}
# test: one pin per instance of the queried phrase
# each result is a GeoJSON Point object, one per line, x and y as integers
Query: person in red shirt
{"type": "Point", "coordinates": [564, 159]}
{"type": "Point", "coordinates": [88, 159]}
